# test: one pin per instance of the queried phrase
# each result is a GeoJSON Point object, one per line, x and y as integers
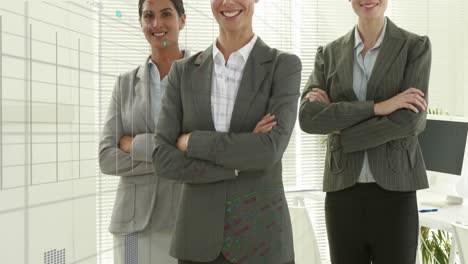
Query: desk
{"type": "Point", "coordinates": [443, 218]}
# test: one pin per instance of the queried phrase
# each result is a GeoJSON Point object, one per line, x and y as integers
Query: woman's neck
{"type": "Point", "coordinates": [230, 42]}
{"type": "Point", "coordinates": [370, 30]}
{"type": "Point", "coordinates": [163, 58]}
{"type": "Point", "coordinates": [166, 54]}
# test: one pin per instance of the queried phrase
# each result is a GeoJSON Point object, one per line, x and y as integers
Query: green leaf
{"type": "Point", "coordinates": [435, 246]}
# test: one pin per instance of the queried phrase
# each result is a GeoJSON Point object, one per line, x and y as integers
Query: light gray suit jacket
{"type": "Point", "coordinates": [391, 141]}
{"type": "Point", "coordinates": [244, 217]}
{"type": "Point", "coordinates": [139, 191]}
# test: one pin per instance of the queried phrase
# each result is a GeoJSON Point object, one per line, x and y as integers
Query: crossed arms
{"type": "Point", "coordinates": [214, 156]}
{"type": "Point", "coordinates": [363, 124]}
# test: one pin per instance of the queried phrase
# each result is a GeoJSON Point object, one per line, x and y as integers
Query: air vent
{"type": "Point", "coordinates": [54, 257]}
{"type": "Point", "coordinates": [131, 249]}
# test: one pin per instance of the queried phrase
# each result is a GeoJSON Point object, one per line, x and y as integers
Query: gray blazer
{"type": "Point", "coordinates": [391, 141]}
{"type": "Point", "coordinates": [139, 191]}
{"type": "Point", "coordinates": [244, 217]}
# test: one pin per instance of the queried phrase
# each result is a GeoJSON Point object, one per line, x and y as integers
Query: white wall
{"type": "Point", "coordinates": [48, 179]}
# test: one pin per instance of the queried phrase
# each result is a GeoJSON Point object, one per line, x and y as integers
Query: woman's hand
{"type": "Point", "coordinates": [182, 142]}
{"type": "Point", "coordinates": [266, 124]}
{"type": "Point", "coordinates": [125, 143]}
{"type": "Point", "coordinates": [409, 99]}
{"type": "Point", "coordinates": [318, 95]}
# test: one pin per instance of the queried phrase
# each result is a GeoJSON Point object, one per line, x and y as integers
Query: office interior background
{"type": "Point", "coordinates": [58, 64]}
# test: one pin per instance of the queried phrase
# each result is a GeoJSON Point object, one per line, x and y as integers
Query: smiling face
{"type": "Point", "coordinates": [161, 23]}
{"type": "Point", "coordinates": [233, 15]}
{"type": "Point", "coordinates": [369, 9]}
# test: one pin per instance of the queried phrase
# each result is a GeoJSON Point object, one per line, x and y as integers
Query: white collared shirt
{"type": "Point", "coordinates": [362, 71]}
{"type": "Point", "coordinates": [225, 83]}
{"type": "Point", "coordinates": [158, 87]}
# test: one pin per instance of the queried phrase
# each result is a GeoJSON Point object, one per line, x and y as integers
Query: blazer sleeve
{"type": "Point", "coordinates": [251, 151]}
{"type": "Point", "coordinates": [402, 123]}
{"type": "Point", "coordinates": [168, 160]}
{"type": "Point", "coordinates": [320, 118]}
{"type": "Point", "coordinates": [112, 160]}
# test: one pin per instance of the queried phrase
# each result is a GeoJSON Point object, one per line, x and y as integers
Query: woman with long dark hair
{"type": "Point", "coordinates": [145, 206]}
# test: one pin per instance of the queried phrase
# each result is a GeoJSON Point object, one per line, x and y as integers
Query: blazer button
{"type": "Point", "coordinates": [404, 144]}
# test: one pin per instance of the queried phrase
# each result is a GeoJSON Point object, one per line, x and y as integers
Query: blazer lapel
{"type": "Point", "coordinates": [252, 78]}
{"type": "Point", "coordinates": [345, 64]}
{"type": "Point", "coordinates": [141, 103]}
{"type": "Point", "coordinates": [391, 47]}
{"type": "Point", "coordinates": [201, 87]}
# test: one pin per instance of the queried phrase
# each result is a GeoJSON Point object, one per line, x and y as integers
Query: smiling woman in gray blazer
{"type": "Point", "coordinates": [233, 207]}
{"type": "Point", "coordinates": [368, 92]}
{"type": "Point", "coordinates": [145, 206]}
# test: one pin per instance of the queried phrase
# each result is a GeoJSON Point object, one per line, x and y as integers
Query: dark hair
{"type": "Point", "coordinates": [179, 6]}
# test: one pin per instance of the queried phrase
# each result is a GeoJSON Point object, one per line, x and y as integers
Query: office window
{"type": "Point", "coordinates": [446, 23]}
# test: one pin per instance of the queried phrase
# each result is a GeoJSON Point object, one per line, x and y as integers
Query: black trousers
{"type": "Point", "coordinates": [366, 223]}
{"type": "Point", "coordinates": [220, 260]}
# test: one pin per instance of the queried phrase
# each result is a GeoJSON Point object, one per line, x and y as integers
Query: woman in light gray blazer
{"type": "Point", "coordinates": [368, 92]}
{"type": "Point", "coordinates": [145, 206]}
